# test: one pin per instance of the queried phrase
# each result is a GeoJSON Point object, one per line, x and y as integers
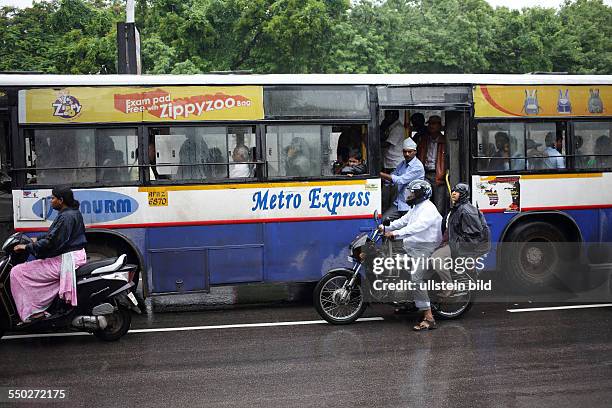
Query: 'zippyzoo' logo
{"type": "Point", "coordinates": [66, 106]}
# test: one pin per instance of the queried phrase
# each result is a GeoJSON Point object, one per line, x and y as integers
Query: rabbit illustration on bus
{"type": "Point", "coordinates": [563, 102]}
{"type": "Point", "coordinates": [531, 106]}
{"type": "Point", "coordinates": [595, 103]}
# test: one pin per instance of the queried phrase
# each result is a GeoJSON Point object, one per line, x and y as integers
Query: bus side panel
{"type": "Point", "coordinates": [192, 257]}
{"type": "Point", "coordinates": [497, 223]}
{"type": "Point", "coordinates": [590, 223]}
{"type": "Point", "coordinates": [305, 251]}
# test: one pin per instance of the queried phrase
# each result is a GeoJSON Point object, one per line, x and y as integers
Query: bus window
{"type": "Point", "coordinates": [501, 146]}
{"type": "Point", "coordinates": [315, 150]}
{"type": "Point", "coordinates": [294, 151]}
{"type": "Point", "coordinates": [241, 151]}
{"type": "Point", "coordinates": [202, 153]}
{"type": "Point", "coordinates": [549, 143]}
{"type": "Point", "coordinates": [593, 145]}
{"type": "Point", "coordinates": [58, 156]}
{"type": "Point", "coordinates": [348, 155]}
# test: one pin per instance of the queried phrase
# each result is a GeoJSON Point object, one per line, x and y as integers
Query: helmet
{"type": "Point", "coordinates": [417, 192]}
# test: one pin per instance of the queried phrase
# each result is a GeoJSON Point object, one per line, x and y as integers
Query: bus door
{"type": "Point", "coordinates": [451, 103]}
{"type": "Point", "coordinates": [6, 202]}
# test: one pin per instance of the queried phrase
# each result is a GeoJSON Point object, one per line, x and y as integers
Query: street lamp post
{"type": "Point", "coordinates": [128, 44]}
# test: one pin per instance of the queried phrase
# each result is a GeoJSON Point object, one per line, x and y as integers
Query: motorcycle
{"type": "Point", "coordinates": [104, 298]}
{"type": "Point", "coordinates": [340, 296]}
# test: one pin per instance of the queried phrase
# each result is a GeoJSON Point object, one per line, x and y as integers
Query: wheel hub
{"type": "Point", "coordinates": [534, 255]}
{"type": "Point", "coordinates": [340, 296]}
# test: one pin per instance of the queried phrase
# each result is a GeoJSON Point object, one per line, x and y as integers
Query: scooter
{"type": "Point", "coordinates": [104, 298]}
{"type": "Point", "coordinates": [343, 294]}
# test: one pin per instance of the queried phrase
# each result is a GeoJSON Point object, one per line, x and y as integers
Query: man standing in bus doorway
{"type": "Point", "coordinates": [391, 139]}
{"type": "Point", "coordinates": [408, 170]}
{"type": "Point", "coordinates": [432, 152]}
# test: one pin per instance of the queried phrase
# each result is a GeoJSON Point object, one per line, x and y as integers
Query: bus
{"type": "Point", "coordinates": [214, 180]}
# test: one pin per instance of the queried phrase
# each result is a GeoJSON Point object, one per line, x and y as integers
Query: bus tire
{"type": "Point", "coordinates": [531, 258]}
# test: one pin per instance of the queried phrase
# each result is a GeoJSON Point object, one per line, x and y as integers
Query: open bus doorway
{"type": "Point", "coordinates": [438, 134]}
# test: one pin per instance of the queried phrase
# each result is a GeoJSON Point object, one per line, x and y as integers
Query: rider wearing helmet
{"type": "Point", "coordinates": [420, 230]}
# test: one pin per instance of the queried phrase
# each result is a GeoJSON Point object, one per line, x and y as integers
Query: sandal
{"type": "Point", "coordinates": [425, 325]}
{"type": "Point", "coordinates": [34, 318]}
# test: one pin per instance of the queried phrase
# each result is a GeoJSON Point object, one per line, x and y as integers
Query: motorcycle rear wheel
{"type": "Point", "coordinates": [326, 298]}
{"type": "Point", "coordinates": [452, 309]}
{"type": "Point", "coordinates": [118, 324]}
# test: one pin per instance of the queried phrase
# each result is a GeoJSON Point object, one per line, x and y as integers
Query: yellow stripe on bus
{"type": "Point", "coordinates": [544, 176]}
{"type": "Point", "coordinates": [256, 185]}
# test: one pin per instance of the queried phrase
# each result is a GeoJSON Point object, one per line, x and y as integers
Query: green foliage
{"type": "Point", "coordinates": [306, 36]}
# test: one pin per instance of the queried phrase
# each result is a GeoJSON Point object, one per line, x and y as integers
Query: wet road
{"type": "Point", "coordinates": [489, 358]}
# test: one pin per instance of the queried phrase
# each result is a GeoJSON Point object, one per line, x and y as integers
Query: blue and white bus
{"type": "Point", "coordinates": [210, 180]}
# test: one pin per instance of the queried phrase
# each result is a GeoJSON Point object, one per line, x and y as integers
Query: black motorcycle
{"type": "Point", "coordinates": [343, 294]}
{"type": "Point", "coordinates": [104, 297]}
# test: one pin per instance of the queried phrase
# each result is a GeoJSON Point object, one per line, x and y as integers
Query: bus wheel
{"type": "Point", "coordinates": [531, 256]}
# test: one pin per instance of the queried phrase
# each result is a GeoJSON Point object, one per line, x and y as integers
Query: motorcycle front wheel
{"type": "Point", "coordinates": [334, 302]}
{"type": "Point", "coordinates": [118, 324]}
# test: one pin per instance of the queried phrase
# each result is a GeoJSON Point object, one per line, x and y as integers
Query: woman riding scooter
{"type": "Point", "coordinates": [60, 252]}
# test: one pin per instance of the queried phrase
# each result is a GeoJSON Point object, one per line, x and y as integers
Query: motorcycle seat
{"type": "Point", "coordinates": [101, 266]}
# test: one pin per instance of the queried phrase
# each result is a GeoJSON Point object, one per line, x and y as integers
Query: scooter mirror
{"type": "Point", "coordinates": [376, 217]}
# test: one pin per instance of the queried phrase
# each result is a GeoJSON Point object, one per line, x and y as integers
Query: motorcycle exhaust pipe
{"type": "Point", "coordinates": [90, 322]}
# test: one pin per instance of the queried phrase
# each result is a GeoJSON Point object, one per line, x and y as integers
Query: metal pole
{"type": "Point", "coordinates": [129, 11]}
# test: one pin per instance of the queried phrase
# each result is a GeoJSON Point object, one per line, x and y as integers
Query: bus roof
{"type": "Point", "coordinates": [28, 80]}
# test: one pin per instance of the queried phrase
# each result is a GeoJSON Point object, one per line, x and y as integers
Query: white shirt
{"type": "Point", "coordinates": [393, 155]}
{"type": "Point", "coordinates": [419, 228]}
{"type": "Point", "coordinates": [553, 159]}
{"type": "Point", "coordinates": [432, 151]}
{"type": "Point", "coordinates": [239, 170]}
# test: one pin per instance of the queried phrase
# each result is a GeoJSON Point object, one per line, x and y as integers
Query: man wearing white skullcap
{"type": "Point", "coordinates": [409, 169]}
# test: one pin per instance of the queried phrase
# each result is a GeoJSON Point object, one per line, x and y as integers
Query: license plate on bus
{"type": "Point", "coordinates": [133, 298]}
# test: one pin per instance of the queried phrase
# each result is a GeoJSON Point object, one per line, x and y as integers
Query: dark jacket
{"type": "Point", "coordinates": [66, 234]}
{"type": "Point", "coordinates": [465, 230]}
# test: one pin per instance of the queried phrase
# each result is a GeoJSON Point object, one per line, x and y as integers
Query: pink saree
{"type": "Point", "coordinates": [35, 284]}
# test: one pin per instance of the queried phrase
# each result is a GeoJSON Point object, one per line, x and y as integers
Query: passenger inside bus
{"type": "Point", "coordinates": [603, 145]}
{"type": "Point", "coordinates": [240, 155]}
{"type": "Point", "coordinates": [554, 146]}
{"type": "Point", "coordinates": [216, 171]}
{"type": "Point", "coordinates": [194, 150]}
{"type": "Point", "coordinates": [418, 126]}
{"type": "Point", "coordinates": [431, 151]}
{"type": "Point", "coordinates": [500, 160]}
{"type": "Point", "coordinates": [299, 160]}
{"type": "Point", "coordinates": [517, 161]}
{"type": "Point", "coordinates": [354, 165]}
{"type": "Point", "coordinates": [533, 162]}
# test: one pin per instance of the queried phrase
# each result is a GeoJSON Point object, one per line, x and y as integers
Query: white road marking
{"type": "Point", "coordinates": [541, 309]}
{"type": "Point", "coordinates": [189, 328]}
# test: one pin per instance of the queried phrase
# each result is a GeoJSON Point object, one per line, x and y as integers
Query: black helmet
{"type": "Point", "coordinates": [417, 192]}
